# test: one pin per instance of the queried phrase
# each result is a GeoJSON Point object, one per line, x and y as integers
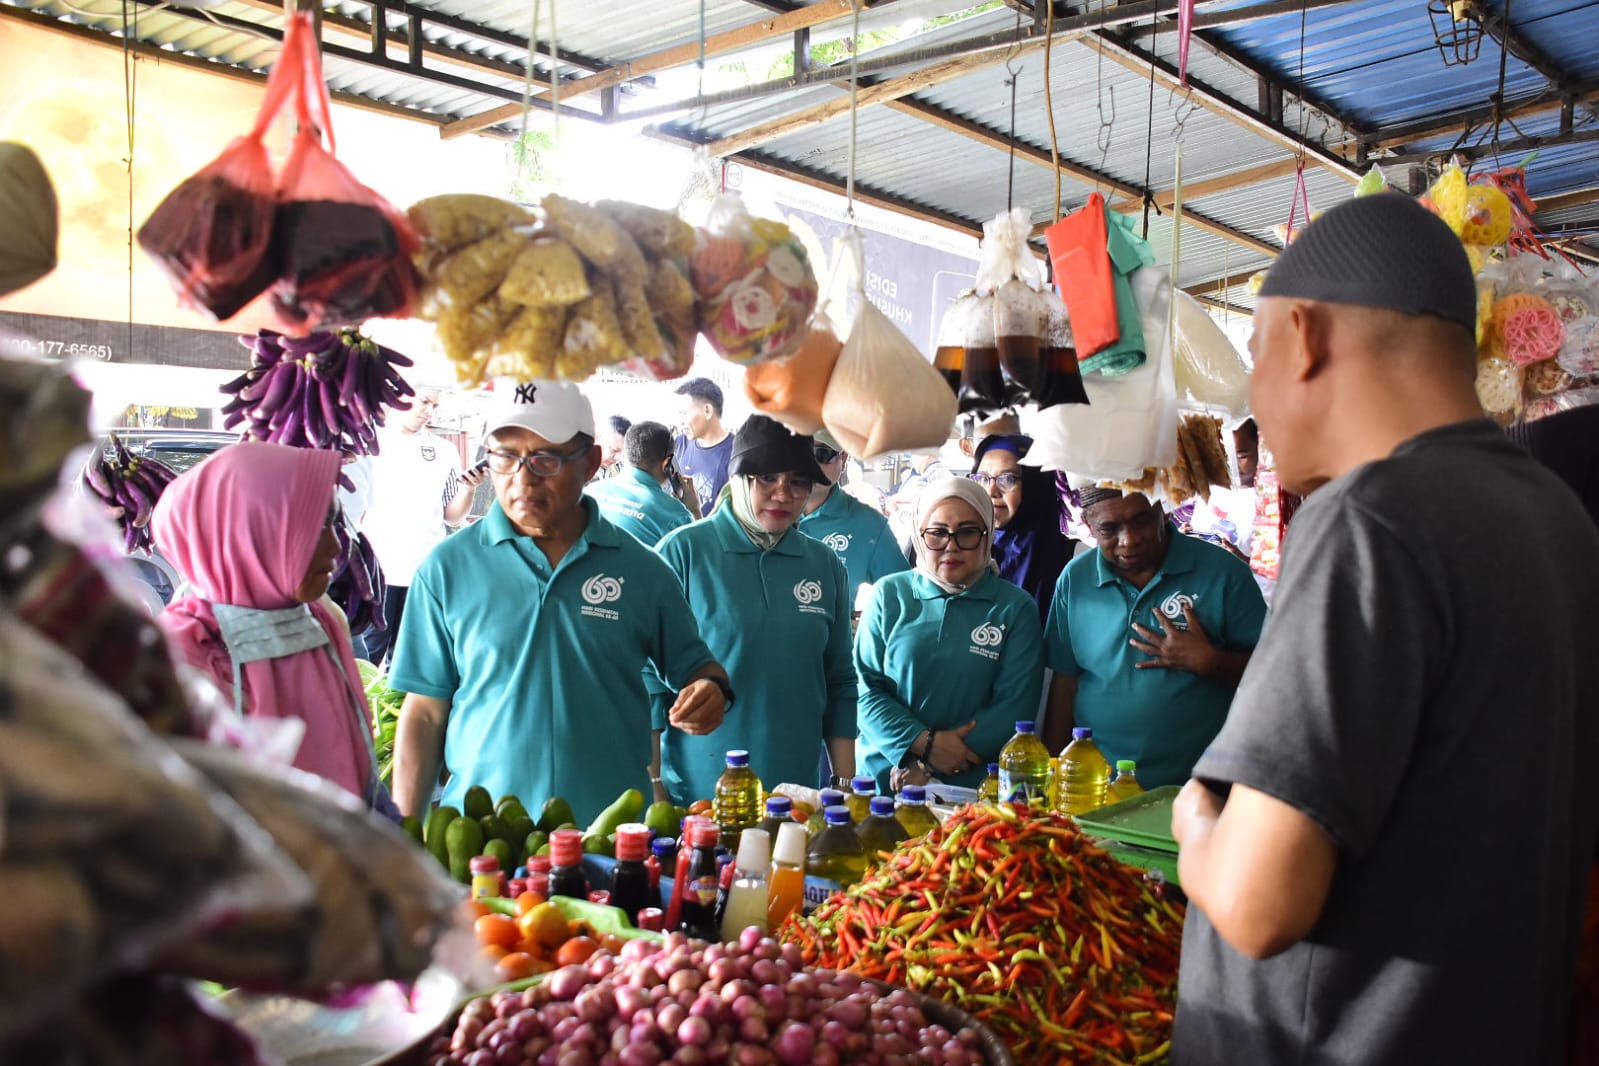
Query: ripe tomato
{"type": "Point", "coordinates": [545, 924]}
{"type": "Point", "coordinates": [526, 902]}
{"type": "Point", "coordinates": [576, 951]}
{"type": "Point", "coordinates": [497, 929]}
{"type": "Point", "coordinates": [702, 807]}
{"type": "Point", "coordinates": [475, 909]}
{"type": "Point", "coordinates": [612, 943]}
{"type": "Point", "coordinates": [493, 952]}
{"type": "Point", "coordinates": [516, 966]}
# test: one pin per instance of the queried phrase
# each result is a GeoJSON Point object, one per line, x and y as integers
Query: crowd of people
{"type": "Point", "coordinates": [634, 604]}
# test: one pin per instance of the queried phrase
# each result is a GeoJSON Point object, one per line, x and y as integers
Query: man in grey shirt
{"type": "Point", "coordinates": [1386, 845]}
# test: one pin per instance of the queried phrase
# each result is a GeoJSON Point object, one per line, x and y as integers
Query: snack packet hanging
{"type": "Point", "coordinates": [343, 252]}
{"type": "Point", "coordinates": [212, 234]}
{"type": "Point", "coordinates": [884, 396]}
{"type": "Point", "coordinates": [754, 281]}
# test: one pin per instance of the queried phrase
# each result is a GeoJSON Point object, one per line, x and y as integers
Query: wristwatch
{"type": "Point", "coordinates": [727, 690]}
{"type": "Point", "coordinates": [840, 782]}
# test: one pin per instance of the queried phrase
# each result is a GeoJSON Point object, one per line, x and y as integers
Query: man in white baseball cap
{"type": "Point", "coordinates": [525, 639]}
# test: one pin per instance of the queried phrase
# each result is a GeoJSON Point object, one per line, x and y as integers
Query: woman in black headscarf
{"type": "Point", "coordinates": [1028, 546]}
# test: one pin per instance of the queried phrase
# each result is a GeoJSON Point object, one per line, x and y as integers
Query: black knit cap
{"type": "Point", "coordinates": [1384, 251]}
{"type": "Point", "coordinates": [765, 446]}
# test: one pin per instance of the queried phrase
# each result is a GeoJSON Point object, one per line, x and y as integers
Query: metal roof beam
{"type": "Point", "coordinates": [1517, 44]}
{"type": "Point", "coordinates": [1232, 309]}
{"type": "Point", "coordinates": [1135, 59]}
{"type": "Point", "coordinates": [1503, 148]}
{"type": "Point", "coordinates": [1193, 190]}
{"type": "Point", "coordinates": [1279, 81]}
{"type": "Point", "coordinates": [1399, 135]}
{"type": "Point", "coordinates": [676, 56]}
{"type": "Point", "coordinates": [997, 139]}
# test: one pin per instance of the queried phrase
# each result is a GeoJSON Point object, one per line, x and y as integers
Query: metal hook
{"type": "Point", "coordinates": [1182, 113]}
{"type": "Point", "coordinates": [1105, 125]}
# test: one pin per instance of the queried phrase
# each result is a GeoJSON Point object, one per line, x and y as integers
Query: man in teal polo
{"type": "Point", "coordinates": [1148, 638]}
{"type": "Point", "coordinates": [635, 498]}
{"type": "Point", "coordinates": [858, 535]}
{"type": "Point", "coordinates": [526, 636]}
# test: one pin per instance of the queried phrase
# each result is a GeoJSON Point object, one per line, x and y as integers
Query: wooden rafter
{"type": "Point", "coordinates": [1090, 177]}
{"type": "Point", "coordinates": [1504, 148]}
{"type": "Point", "coordinates": [869, 96]}
{"type": "Point", "coordinates": [1194, 190]}
{"type": "Point", "coordinates": [667, 58]}
{"type": "Point", "coordinates": [1575, 198]}
{"type": "Point", "coordinates": [1140, 62]}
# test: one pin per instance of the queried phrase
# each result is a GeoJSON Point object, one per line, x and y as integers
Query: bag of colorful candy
{"type": "Point", "coordinates": [754, 281]}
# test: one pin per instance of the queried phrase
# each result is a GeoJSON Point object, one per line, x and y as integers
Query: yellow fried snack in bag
{"type": "Point", "coordinates": [638, 323]}
{"type": "Point", "coordinates": [529, 343]}
{"type": "Point", "coordinates": [457, 219]}
{"type": "Point", "coordinates": [475, 271]}
{"type": "Point", "coordinates": [596, 238]}
{"type": "Point", "coordinates": [467, 332]}
{"type": "Point", "coordinates": [660, 233]}
{"type": "Point", "coordinates": [668, 289]}
{"type": "Point", "coordinates": [593, 337]}
{"type": "Point", "coordinates": [547, 273]}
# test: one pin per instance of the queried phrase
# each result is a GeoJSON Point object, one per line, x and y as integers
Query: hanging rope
{"type": "Point", "coordinates": [1105, 124]}
{"type": "Point", "coordinates": [1014, 73]}
{"type": "Point", "coordinates": [129, 86]}
{"type": "Point", "coordinates": [527, 84]}
{"type": "Point", "coordinates": [555, 77]}
{"type": "Point", "coordinates": [854, 106]}
{"type": "Point", "coordinates": [1049, 102]}
{"type": "Point", "coordinates": [1149, 132]}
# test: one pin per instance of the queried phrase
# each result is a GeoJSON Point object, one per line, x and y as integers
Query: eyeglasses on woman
{"type": "Point", "coordinates": [966, 538]}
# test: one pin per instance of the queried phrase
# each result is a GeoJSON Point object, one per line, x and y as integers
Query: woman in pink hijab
{"type": "Point", "coordinates": [251, 531]}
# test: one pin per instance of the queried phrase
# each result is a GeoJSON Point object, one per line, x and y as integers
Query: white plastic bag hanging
{"type": "Point", "coordinates": [1130, 422]}
{"type": "Point", "coordinates": [1208, 370]}
{"type": "Point", "coordinates": [884, 396]}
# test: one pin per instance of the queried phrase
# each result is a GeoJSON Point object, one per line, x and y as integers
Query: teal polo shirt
{"type": "Point", "coordinates": [929, 660]}
{"type": "Point", "coordinates": [634, 501]}
{"type": "Point", "coordinates": [858, 535]}
{"type": "Point", "coordinates": [1163, 719]}
{"type": "Point", "coordinates": [778, 622]}
{"type": "Point", "coordinates": [543, 666]}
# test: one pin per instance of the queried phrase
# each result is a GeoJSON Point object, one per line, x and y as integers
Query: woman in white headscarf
{"type": "Point", "coordinates": [950, 656]}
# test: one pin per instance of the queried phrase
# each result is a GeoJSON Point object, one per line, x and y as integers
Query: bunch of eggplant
{"type": "Point", "coordinates": [325, 390]}
{"type": "Point", "coordinates": [357, 585]}
{"type": "Point", "coordinates": [129, 485]}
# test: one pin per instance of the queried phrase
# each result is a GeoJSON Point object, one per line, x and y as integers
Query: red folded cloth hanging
{"type": "Point", "coordinates": [1077, 250]}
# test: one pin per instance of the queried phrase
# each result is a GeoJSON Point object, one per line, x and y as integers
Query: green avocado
{"type": "Point", "coordinates": [433, 833]}
{"type": "Point", "coordinates": [464, 838]}
{"type": "Point", "coordinates": [477, 802]}
{"type": "Point", "coordinates": [599, 845]}
{"type": "Point", "coordinates": [557, 812]}
{"type": "Point", "coordinates": [510, 808]}
{"type": "Point", "coordinates": [531, 845]}
{"type": "Point", "coordinates": [412, 826]}
{"type": "Point", "coordinates": [663, 819]}
{"type": "Point", "coordinates": [494, 828]}
{"type": "Point", "coordinates": [626, 808]}
{"type": "Point", "coordinates": [503, 851]}
{"type": "Point", "coordinates": [519, 827]}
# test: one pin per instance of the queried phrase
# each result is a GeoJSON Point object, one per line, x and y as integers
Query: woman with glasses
{"type": "Point", "coordinates": [1028, 547]}
{"type": "Point", "coordinates": [774, 607]}
{"type": "Point", "coordinates": [251, 531]}
{"type": "Point", "coordinates": [949, 655]}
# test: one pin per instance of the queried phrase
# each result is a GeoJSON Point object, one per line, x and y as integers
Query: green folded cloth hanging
{"type": "Point", "coordinates": [1128, 252]}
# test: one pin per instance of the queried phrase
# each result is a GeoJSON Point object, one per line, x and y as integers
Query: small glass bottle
{"type": "Point", "coordinates": [862, 788]}
{"type": "Point", "coordinates": [747, 899]}
{"type": "Point", "coordinates": [697, 916]}
{"type": "Point", "coordinates": [786, 888]}
{"type": "Point", "coordinates": [538, 876]}
{"type": "Point", "coordinates": [836, 854]}
{"type": "Point", "coordinates": [882, 831]}
{"type": "Point", "coordinates": [736, 805]}
{"type": "Point", "coordinates": [913, 812]}
{"type": "Point", "coordinates": [566, 865]}
{"type": "Point", "coordinates": [485, 876]}
{"type": "Point", "coordinates": [988, 791]}
{"type": "Point", "coordinates": [779, 809]}
{"type": "Point", "coordinates": [630, 880]}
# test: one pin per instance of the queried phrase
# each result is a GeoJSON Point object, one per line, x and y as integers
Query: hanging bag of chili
{"type": "Point", "coordinates": [212, 233]}
{"type": "Point", "coordinates": [343, 252]}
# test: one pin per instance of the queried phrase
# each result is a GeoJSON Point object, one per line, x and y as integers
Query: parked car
{"type": "Point", "coordinates": [180, 449]}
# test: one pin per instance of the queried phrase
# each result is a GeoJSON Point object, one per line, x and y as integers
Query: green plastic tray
{"type": "Point", "coordinates": [1143, 858]}
{"type": "Point", "coordinates": [1144, 820]}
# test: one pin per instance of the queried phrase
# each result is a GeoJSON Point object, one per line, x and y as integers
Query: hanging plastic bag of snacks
{"type": "Point", "coordinates": [1499, 387]}
{"type": "Point", "coordinates": [884, 396]}
{"type": "Point", "coordinates": [755, 284]}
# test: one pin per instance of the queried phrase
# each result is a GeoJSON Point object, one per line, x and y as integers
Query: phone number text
{"type": "Point", "coordinates": [61, 348]}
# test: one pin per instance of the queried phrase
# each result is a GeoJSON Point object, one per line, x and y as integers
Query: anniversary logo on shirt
{"type": "Point", "coordinates": [598, 591]}
{"type": "Point", "coordinates": [809, 596]}
{"type": "Point", "coordinates": [986, 639]}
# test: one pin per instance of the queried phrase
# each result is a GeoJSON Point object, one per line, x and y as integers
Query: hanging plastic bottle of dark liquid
{"type": "Point", "coordinates": [698, 916]}
{"type": "Point", "coordinates": [982, 383]}
{"type": "Point", "coordinates": [949, 357]}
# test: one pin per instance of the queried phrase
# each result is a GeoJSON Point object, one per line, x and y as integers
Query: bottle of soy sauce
{"type": "Point", "coordinates": [703, 880]}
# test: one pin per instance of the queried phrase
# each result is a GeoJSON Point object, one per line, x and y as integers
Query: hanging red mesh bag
{"type": "Point", "coordinates": [212, 233]}
{"type": "Point", "coordinates": [343, 253]}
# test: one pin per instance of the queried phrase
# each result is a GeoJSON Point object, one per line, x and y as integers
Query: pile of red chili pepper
{"type": "Point", "coordinates": [1016, 918]}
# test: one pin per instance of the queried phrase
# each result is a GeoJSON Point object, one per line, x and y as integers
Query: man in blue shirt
{"type": "Point", "coordinates": [634, 499]}
{"type": "Point", "coordinates": [1148, 638]}
{"type": "Point", "coordinates": [858, 535]}
{"type": "Point", "coordinates": [526, 637]}
{"type": "Point", "coordinates": [706, 445]}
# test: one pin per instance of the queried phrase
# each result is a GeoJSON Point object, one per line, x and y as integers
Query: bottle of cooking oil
{"type": "Point", "coordinates": [1024, 768]}
{"type": "Point", "coordinates": [988, 791]}
{"type": "Point", "coordinates": [881, 831]}
{"type": "Point", "coordinates": [1125, 784]}
{"type": "Point", "coordinates": [1084, 775]}
{"type": "Point", "coordinates": [831, 797]}
{"type": "Point", "coordinates": [913, 812]}
{"type": "Point", "coordinates": [836, 854]}
{"type": "Point", "coordinates": [737, 802]}
{"type": "Point", "coordinates": [862, 788]}
{"type": "Point", "coordinates": [779, 812]}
